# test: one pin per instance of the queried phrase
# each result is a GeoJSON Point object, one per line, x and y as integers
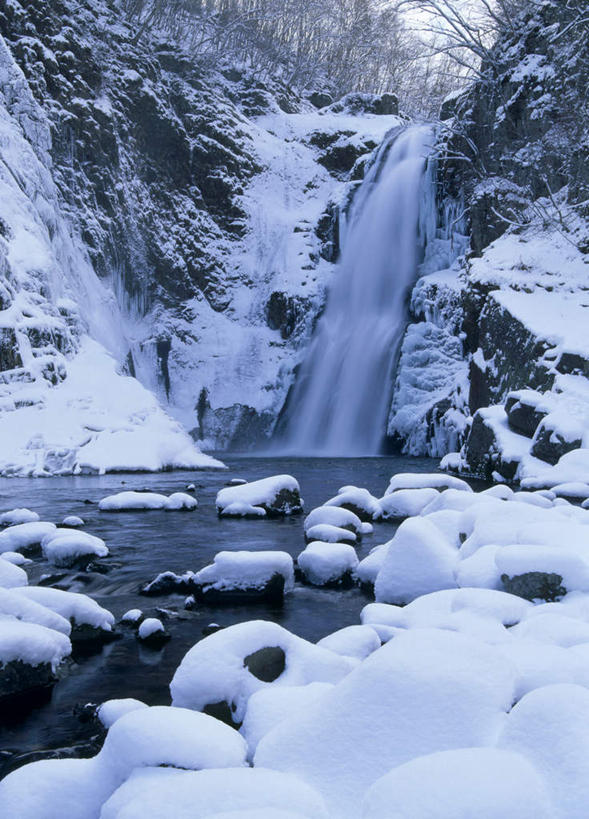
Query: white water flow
{"type": "Point", "coordinates": [341, 398]}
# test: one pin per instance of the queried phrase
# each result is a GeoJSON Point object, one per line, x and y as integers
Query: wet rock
{"type": "Point", "coordinates": [18, 678]}
{"type": "Point", "coordinates": [223, 712]}
{"type": "Point", "coordinates": [320, 99]}
{"type": "Point", "coordinates": [535, 585]}
{"type": "Point", "coordinates": [267, 664]}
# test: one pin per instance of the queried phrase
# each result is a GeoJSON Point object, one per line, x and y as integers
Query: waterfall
{"type": "Point", "coordinates": [340, 400]}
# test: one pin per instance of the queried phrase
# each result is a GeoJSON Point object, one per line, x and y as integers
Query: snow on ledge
{"type": "Point", "coordinates": [96, 421]}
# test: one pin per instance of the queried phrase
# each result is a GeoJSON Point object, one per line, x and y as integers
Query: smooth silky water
{"type": "Point", "coordinates": [144, 543]}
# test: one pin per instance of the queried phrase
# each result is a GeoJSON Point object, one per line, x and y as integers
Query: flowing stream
{"type": "Point", "coordinates": [341, 398]}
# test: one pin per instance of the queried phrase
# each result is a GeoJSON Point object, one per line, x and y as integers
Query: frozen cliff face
{"type": "Point", "coordinates": [64, 407]}
{"type": "Point", "coordinates": [196, 193]}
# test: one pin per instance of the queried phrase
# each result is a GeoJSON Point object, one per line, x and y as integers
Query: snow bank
{"type": "Point", "coordinates": [278, 495]}
{"type": "Point", "coordinates": [112, 710]}
{"type": "Point", "coordinates": [129, 431]}
{"type": "Point", "coordinates": [214, 670]}
{"type": "Point", "coordinates": [352, 641]}
{"type": "Point", "coordinates": [14, 604]}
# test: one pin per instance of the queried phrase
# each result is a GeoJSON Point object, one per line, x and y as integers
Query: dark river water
{"type": "Point", "coordinates": [144, 543]}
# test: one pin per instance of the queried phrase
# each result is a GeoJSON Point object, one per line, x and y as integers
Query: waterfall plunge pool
{"type": "Point", "coordinates": [142, 544]}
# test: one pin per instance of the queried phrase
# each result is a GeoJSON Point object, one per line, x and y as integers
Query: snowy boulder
{"type": "Point", "coordinates": [90, 622]}
{"type": "Point", "coordinates": [357, 500]}
{"type": "Point", "coordinates": [68, 547]}
{"type": "Point", "coordinates": [30, 656]}
{"type": "Point", "coordinates": [542, 572]}
{"type": "Point", "coordinates": [25, 537]}
{"type": "Point", "coordinates": [277, 496]}
{"type": "Point", "coordinates": [525, 410]}
{"type": "Point", "coordinates": [419, 560]}
{"type": "Point", "coordinates": [132, 617]}
{"type": "Point", "coordinates": [420, 480]}
{"type": "Point", "coordinates": [169, 583]}
{"type": "Point", "coordinates": [368, 568]}
{"type": "Point", "coordinates": [352, 641]}
{"type": "Point", "coordinates": [330, 534]}
{"type": "Point", "coordinates": [231, 793]}
{"type": "Point", "coordinates": [493, 783]}
{"type": "Point", "coordinates": [11, 575]}
{"type": "Point", "coordinates": [571, 468]}
{"type": "Point", "coordinates": [550, 727]}
{"type": "Point", "coordinates": [405, 503]}
{"type": "Point", "coordinates": [17, 516]}
{"type": "Point", "coordinates": [112, 710]}
{"type": "Point", "coordinates": [151, 632]}
{"type": "Point", "coordinates": [556, 435]}
{"type": "Point", "coordinates": [245, 577]}
{"type": "Point", "coordinates": [214, 675]}
{"type": "Point", "coordinates": [328, 564]}
{"type": "Point", "coordinates": [269, 706]}
{"type": "Point", "coordinates": [72, 522]}
{"type": "Point", "coordinates": [180, 500]}
{"type": "Point", "coordinates": [134, 501]}
{"type": "Point", "coordinates": [423, 692]}
{"type": "Point", "coordinates": [242, 510]}
{"type": "Point", "coordinates": [334, 516]}
{"type": "Point", "coordinates": [16, 559]}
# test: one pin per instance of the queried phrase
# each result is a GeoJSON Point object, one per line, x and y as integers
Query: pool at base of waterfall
{"type": "Point", "coordinates": [144, 543]}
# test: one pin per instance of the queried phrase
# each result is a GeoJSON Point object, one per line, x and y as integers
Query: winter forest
{"type": "Point", "coordinates": [294, 409]}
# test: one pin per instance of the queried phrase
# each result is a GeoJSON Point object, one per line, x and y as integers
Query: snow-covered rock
{"type": "Point", "coordinates": [404, 503]}
{"type": "Point", "coordinates": [326, 564]}
{"type": "Point", "coordinates": [243, 576]}
{"type": "Point", "coordinates": [16, 516]}
{"type": "Point", "coordinates": [72, 521]}
{"type": "Point", "coordinates": [422, 480]}
{"type": "Point", "coordinates": [330, 534]}
{"type": "Point", "coordinates": [278, 495]}
{"type": "Point", "coordinates": [419, 560]}
{"type": "Point", "coordinates": [334, 516]}
{"type": "Point", "coordinates": [25, 537]}
{"type": "Point", "coordinates": [90, 622]}
{"type": "Point", "coordinates": [11, 575]}
{"type": "Point", "coordinates": [67, 547]}
{"type": "Point", "coordinates": [357, 500]}
{"type": "Point", "coordinates": [131, 501]}
{"type": "Point", "coordinates": [352, 641]}
{"type": "Point", "coordinates": [229, 665]}
{"type": "Point", "coordinates": [152, 633]}
{"type": "Point", "coordinates": [110, 711]}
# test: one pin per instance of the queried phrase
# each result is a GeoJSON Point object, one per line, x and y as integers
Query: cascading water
{"type": "Point", "coordinates": [340, 400]}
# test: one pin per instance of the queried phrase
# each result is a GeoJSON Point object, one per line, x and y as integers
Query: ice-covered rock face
{"type": "Point", "coordinates": [197, 212]}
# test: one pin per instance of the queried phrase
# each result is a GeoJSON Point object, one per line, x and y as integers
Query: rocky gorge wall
{"type": "Point", "coordinates": [511, 313]}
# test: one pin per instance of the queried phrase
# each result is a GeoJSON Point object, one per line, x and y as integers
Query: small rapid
{"type": "Point", "coordinates": [339, 403]}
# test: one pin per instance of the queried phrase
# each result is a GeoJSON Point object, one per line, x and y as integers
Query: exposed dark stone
{"type": "Point", "coordinates": [550, 446]}
{"type": "Point", "coordinates": [523, 416]}
{"type": "Point", "coordinates": [535, 585]}
{"type": "Point", "coordinates": [483, 455]}
{"type": "Point", "coordinates": [155, 640]}
{"type": "Point", "coordinates": [320, 99]}
{"type": "Point", "coordinates": [267, 664]}
{"type": "Point", "coordinates": [284, 312]}
{"type": "Point", "coordinates": [223, 712]}
{"type": "Point", "coordinates": [18, 678]}
{"type": "Point", "coordinates": [272, 593]}
{"type": "Point", "coordinates": [168, 583]}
